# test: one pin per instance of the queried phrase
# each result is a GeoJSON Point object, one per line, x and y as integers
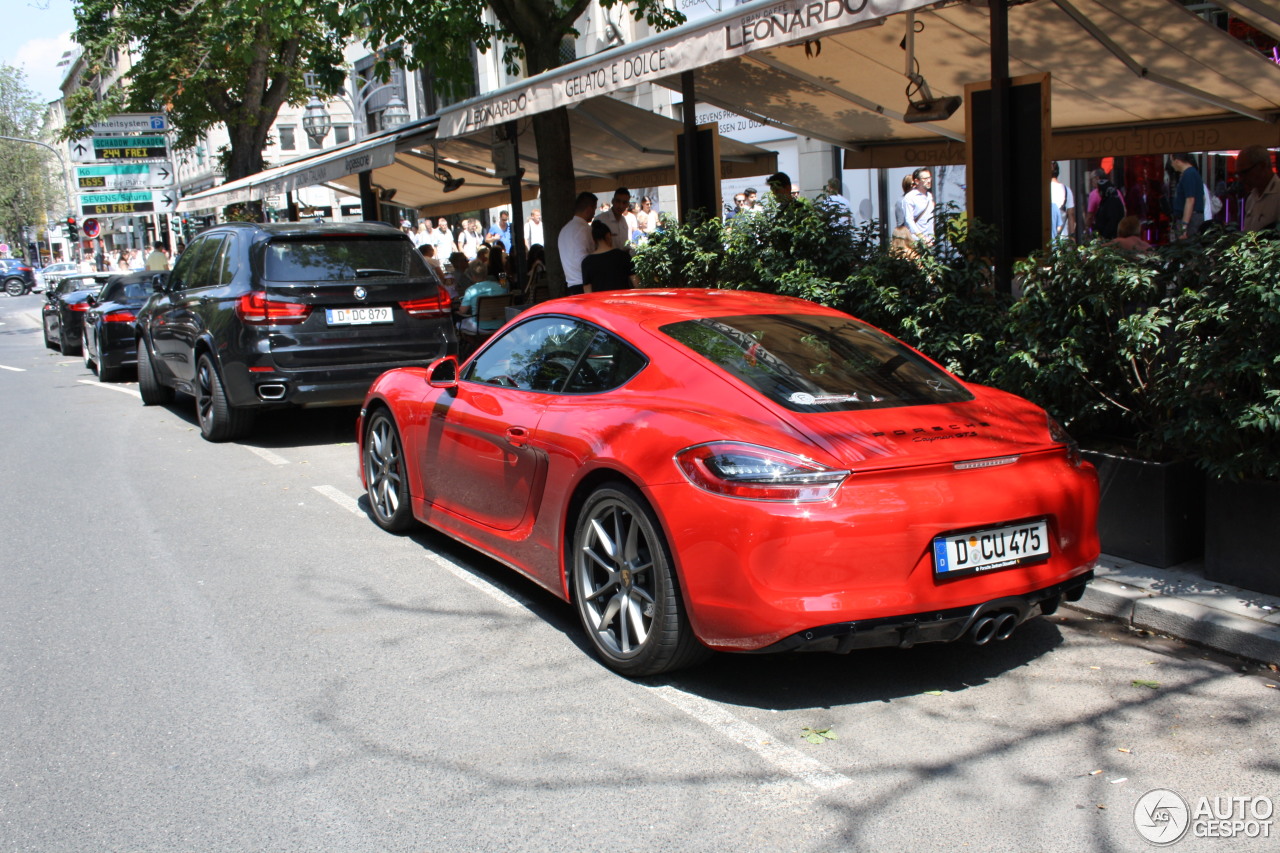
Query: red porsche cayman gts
{"type": "Point", "coordinates": [735, 471]}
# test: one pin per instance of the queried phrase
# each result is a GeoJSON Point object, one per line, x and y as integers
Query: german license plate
{"type": "Point", "coordinates": [991, 548]}
{"type": "Point", "coordinates": [357, 316]}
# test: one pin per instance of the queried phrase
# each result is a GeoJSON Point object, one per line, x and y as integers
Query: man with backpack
{"type": "Point", "coordinates": [1106, 206]}
{"type": "Point", "coordinates": [1188, 198]}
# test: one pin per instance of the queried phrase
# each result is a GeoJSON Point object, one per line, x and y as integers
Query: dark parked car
{"type": "Point", "coordinates": [64, 308]}
{"type": "Point", "coordinates": [19, 276]}
{"type": "Point", "coordinates": [257, 316]}
{"type": "Point", "coordinates": [108, 338]}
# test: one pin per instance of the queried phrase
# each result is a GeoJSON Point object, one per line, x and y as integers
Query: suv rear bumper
{"type": "Point", "coordinates": [332, 386]}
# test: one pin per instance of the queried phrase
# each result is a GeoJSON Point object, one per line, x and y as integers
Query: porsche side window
{"type": "Point", "coordinates": [543, 354]}
{"type": "Point", "coordinates": [609, 362]}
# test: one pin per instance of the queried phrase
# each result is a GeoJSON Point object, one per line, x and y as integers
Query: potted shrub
{"type": "Point", "coordinates": [1228, 348]}
{"type": "Point", "coordinates": [1092, 340]}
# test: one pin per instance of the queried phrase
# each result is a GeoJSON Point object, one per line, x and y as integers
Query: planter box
{"type": "Point", "coordinates": [1241, 520]}
{"type": "Point", "coordinates": [1150, 512]}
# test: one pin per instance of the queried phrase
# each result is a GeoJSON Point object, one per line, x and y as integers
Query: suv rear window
{"type": "Point", "coordinates": [817, 363]}
{"type": "Point", "coordinates": [341, 259]}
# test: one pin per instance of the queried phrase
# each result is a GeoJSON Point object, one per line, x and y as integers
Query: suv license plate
{"type": "Point", "coordinates": [991, 548]}
{"type": "Point", "coordinates": [357, 316]}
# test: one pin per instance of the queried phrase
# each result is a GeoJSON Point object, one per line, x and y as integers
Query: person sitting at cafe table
{"type": "Point", "coordinates": [1127, 236]}
{"type": "Point", "coordinates": [491, 285]}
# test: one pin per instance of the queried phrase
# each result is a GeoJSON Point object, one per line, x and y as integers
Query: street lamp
{"type": "Point", "coordinates": [316, 121]}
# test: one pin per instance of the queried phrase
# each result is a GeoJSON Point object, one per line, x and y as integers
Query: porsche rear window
{"type": "Point", "coordinates": [341, 259]}
{"type": "Point", "coordinates": [817, 363]}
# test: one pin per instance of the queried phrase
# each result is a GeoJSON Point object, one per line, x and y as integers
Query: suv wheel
{"type": "Point", "coordinates": [149, 387]}
{"type": "Point", "coordinates": [219, 420]}
{"type": "Point", "coordinates": [15, 287]}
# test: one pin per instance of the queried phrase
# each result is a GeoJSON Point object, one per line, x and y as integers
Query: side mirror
{"type": "Point", "coordinates": [92, 300]}
{"type": "Point", "coordinates": [160, 282]}
{"type": "Point", "coordinates": [443, 372]}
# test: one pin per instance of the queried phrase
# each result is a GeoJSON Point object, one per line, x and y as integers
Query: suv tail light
{"type": "Point", "coordinates": [435, 306]}
{"type": "Point", "coordinates": [255, 308]}
{"type": "Point", "coordinates": [757, 473]}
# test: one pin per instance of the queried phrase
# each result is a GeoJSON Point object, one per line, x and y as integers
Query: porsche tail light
{"type": "Point", "coordinates": [78, 306]}
{"type": "Point", "coordinates": [1059, 435]}
{"type": "Point", "coordinates": [119, 317]}
{"type": "Point", "coordinates": [757, 473]}
{"type": "Point", "coordinates": [436, 306]}
{"type": "Point", "coordinates": [255, 308]}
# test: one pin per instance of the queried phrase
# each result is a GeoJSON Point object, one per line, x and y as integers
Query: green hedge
{"type": "Point", "coordinates": [1174, 353]}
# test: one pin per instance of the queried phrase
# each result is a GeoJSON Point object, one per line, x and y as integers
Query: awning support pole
{"type": "Point", "coordinates": [517, 206]}
{"type": "Point", "coordinates": [1002, 191]}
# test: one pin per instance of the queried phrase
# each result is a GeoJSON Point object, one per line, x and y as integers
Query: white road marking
{"type": "Point", "coordinates": [341, 498]}
{"type": "Point", "coordinates": [497, 593]}
{"type": "Point", "coordinates": [791, 761]}
{"type": "Point", "coordinates": [14, 369]}
{"type": "Point", "coordinates": [273, 458]}
{"type": "Point", "coordinates": [121, 388]}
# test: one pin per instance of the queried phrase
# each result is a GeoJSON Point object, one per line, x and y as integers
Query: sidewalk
{"type": "Point", "coordinates": [1179, 602]}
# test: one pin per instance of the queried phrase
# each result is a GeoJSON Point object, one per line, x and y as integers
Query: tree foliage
{"type": "Point", "coordinates": [206, 62]}
{"type": "Point", "coordinates": [26, 190]}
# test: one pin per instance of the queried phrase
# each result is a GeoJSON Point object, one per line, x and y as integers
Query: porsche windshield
{"type": "Point", "coordinates": [818, 363]}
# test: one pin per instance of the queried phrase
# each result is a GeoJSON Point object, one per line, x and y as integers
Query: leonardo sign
{"type": "Point", "coordinates": [755, 26]}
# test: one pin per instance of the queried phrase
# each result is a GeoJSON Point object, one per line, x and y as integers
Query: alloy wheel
{"type": "Point", "coordinates": [615, 576]}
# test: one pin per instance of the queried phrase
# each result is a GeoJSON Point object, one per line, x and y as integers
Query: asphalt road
{"type": "Point", "coordinates": [212, 648]}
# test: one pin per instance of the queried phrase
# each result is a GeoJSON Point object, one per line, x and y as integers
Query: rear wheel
{"type": "Point", "coordinates": [384, 474]}
{"type": "Point", "coordinates": [84, 351]}
{"type": "Point", "coordinates": [152, 392]}
{"type": "Point", "coordinates": [219, 420]}
{"type": "Point", "coordinates": [625, 589]}
{"type": "Point", "coordinates": [15, 287]}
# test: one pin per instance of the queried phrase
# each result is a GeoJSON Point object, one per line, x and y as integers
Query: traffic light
{"type": "Point", "coordinates": [188, 230]}
{"type": "Point", "coordinates": [73, 230]}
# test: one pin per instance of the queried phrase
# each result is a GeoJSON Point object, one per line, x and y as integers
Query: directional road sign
{"type": "Point", "coordinates": [115, 148]}
{"type": "Point", "coordinates": [125, 176]}
{"type": "Point", "coordinates": [128, 202]}
{"type": "Point", "coordinates": [132, 123]}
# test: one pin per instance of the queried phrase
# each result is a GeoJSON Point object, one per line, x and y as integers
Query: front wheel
{"type": "Point", "coordinates": [219, 420]}
{"type": "Point", "coordinates": [384, 474]}
{"type": "Point", "coordinates": [625, 589]}
{"type": "Point", "coordinates": [15, 287]}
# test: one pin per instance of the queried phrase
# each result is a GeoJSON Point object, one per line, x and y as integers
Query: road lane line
{"type": "Point", "coordinates": [122, 389]}
{"type": "Point", "coordinates": [14, 369]}
{"type": "Point", "coordinates": [791, 761]}
{"type": "Point", "coordinates": [341, 498]}
{"type": "Point", "coordinates": [273, 458]}
{"type": "Point", "coordinates": [497, 593]}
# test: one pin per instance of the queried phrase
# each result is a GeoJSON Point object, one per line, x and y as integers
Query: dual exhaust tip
{"type": "Point", "coordinates": [997, 626]}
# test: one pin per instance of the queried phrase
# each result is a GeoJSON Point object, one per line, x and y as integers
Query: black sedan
{"type": "Point", "coordinates": [64, 309]}
{"type": "Point", "coordinates": [108, 339]}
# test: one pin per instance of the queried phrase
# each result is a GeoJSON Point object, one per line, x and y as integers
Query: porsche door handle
{"type": "Point", "coordinates": [517, 436]}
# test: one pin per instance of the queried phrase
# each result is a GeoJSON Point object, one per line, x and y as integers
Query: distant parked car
{"type": "Point", "coordinates": [19, 276]}
{"type": "Point", "coordinates": [257, 316]}
{"type": "Point", "coordinates": [54, 273]}
{"type": "Point", "coordinates": [64, 307]}
{"type": "Point", "coordinates": [108, 338]}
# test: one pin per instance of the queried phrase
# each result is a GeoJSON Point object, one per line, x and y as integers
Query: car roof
{"type": "Point", "coordinates": [311, 229]}
{"type": "Point", "coordinates": [654, 307]}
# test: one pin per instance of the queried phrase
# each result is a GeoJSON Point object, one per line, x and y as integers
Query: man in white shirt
{"type": "Point", "coordinates": [1258, 176]}
{"type": "Point", "coordinates": [1062, 198]}
{"type": "Point", "coordinates": [917, 206]}
{"type": "Point", "coordinates": [442, 239]}
{"type": "Point", "coordinates": [574, 242]}
{"type": "Point", "coordinates": [615, 217]}
{"type": "Point", "coordinates": [533, 229]}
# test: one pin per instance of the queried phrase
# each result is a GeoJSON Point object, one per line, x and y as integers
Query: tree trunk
{"type": "Point", "coordinates": [556, 178]}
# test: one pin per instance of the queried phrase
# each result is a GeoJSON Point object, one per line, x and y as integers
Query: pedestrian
{"type": "Point", "coordinates": [739, 201]}
{"type": "Point", "coordinates": [1106, 206]}
{"type": "Point", "coordinates": [533, 229]}
{"type": "Point", "coordinates": [492, 284]}
{"type": "Point", "coordinates": [647, 217]}
{"type": "Point", "coordinates": [838, 203]}
{"type": "Point", "coordinates": [918, 207]}
{"type": "Point", "coordinates": [442, 239]}
{"type": "Point", "coordinates": [469, 239]}
{"type": "Point", "coordinates": [422, 234]}
{"type": "Point", "coordinates": [608, 267]}
{"type": "Point", "coordinates": [501, 232]}
{"type": "Point", "coordinates": [1063, 202]}
{"type": "Point", "coordinates": [780, 187]}
{"type": "Point", "coordinates": [616, 218]}
{"type": "Point", "coordinates": [574, 242]}
{"type": "Point", "coordinates": [750, 199]}
{"type": "Point", "coordinates": [899, 212]}
{"type": "Point", "coordinates": [1257, 175]}
{"type": "Point", "coordinates": [158, 260]}
{"type": "Point", "coordinates": [1188, 197]}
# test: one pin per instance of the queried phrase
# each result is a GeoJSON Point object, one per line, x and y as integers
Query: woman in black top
{"type": "Point", "coordinates": [606, 268]}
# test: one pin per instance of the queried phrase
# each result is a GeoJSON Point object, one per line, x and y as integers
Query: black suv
{"type": "Point", "coordinates": [19, 276]}
{"type": "Point", "coordinates": [255, 316]}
